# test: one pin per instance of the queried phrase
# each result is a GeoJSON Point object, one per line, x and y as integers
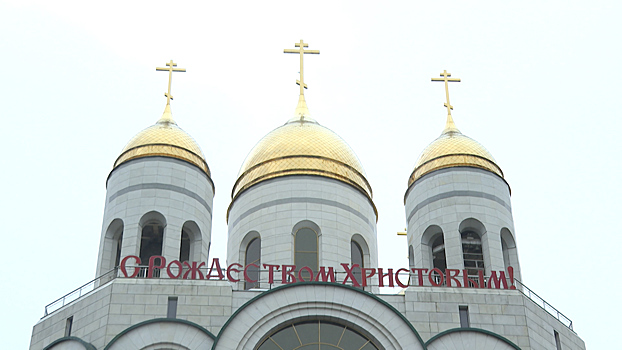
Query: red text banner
{"type": "Point", "coordinates": [351, 274]}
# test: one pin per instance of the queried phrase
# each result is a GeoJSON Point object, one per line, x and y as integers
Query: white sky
{"type": "Point", "coordinates": [540, 81]}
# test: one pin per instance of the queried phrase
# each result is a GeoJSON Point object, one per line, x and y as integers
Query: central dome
{"type": "Point", "coordinates": [301, 147]}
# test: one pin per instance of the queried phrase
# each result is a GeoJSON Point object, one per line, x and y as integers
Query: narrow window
{"type": "Point", "coordinates": [356, 257]}
{"type": "Point", "coordinates": [117, 258]}
{"type": "Point", "coordinates": [171, 311]}
{"type": "Point", "coordinates": [253, 256]}
{"type": "Point", "coordinates": [438, 256]}
{"type": "Point", "coordinates": [464, 316]}
{"type": "Point", "coordinates": [306, 250]}
{"type": "Point", "coordinates": [68, 326]}
{"type": "Point", "coordinates": [151, 243]}
{"type": "Point", "coordinates": [472, 253]}
{"type": "Point", "coordinates": [558, 342]}
{"type": "Point", "coordinates": [411, 257]}
{"type": "Point", "coordinates": [184, 247]}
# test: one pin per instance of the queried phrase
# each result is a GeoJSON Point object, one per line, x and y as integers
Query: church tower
{"type": "Point", "coordinates": [159, 196]}
{"type": "Point", "coordinates": [301, 198]}
{"type": "Point", "coordinates": [458, 206]}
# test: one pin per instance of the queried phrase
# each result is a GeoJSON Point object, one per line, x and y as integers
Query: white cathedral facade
{"type": "Point", "coordinates": [302, 209]}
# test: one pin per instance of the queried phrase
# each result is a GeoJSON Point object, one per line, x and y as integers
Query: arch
{"type": "Point", "coordinates": [475, 253]}
{"type": "Point", "coordinates": [152, 226]}
{"type": "Point", "coordinates": [69, 343]}
{"type": "Point", "coordinates": [508, 247]}
{"type": "Point", "coordinates": [113, 241]}
{"type": "Point", "coordinates": [307, 245]}
{"type": "Point", "coordinates": [190, 245]}
{"type": "Point", "coordinates": [331, 301]}
{"type": "Point", "coordinates": [470, 338]}
{"type": "Point", "coordinates": [310, 331]}
{"type": "Point", "coordinates": [359, 254]}
{"type": "Point", "coordinates": [250, 249]}
{"type": "Point", "coordinates": [172, 332]}
{"type": "Point", "coordinates": [433, 248]}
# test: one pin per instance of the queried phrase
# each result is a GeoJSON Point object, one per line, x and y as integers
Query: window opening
{"type": "Point", "coordinates": [117, 259]}
{"type": "Point", "coordinates": [472, 253]}
{"type": "Point", "coordinates": [356, 257]}
{"type": "Point", "coordinates": [438, 257]}
{"type": "Point", "coordinates": [68, 326]}
{"type": "Point", "coordinates": [464, 316]}
{"type": "Point", "coordinates": [411, 257]}
{"type": "Point", "coordinates": [316, 335]}
{"type": "Point", "coordinates": [151, 243]}
{"type": "Point", "coordinates": [306, 251]}
{"type": "Point", "coordinates": [171, 311]}
{"type": "Point", "coordinates": [558, 342]}
{"type": "Point", "coordinates": [253, 256]}
{"type": "Point", "coordinates": [184, 247]}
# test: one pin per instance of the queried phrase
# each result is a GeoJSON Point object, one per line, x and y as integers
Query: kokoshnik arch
{"type": "Point", "coordinates": [301, 207]}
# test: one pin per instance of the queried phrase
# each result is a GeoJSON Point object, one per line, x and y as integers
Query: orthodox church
{"type": "Point", "coordinates": [301, 270]}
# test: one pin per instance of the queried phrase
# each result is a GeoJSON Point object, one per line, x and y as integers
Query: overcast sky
{"type": "Point", "coordinates": [540, 87]}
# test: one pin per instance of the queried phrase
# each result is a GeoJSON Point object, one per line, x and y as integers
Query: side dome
{"type": "Point", "coordinates": [301, 147]}
{"type": "Point", "coordinates": [453, 149]}
{"type": "Point", "coordinates": [164, 139]}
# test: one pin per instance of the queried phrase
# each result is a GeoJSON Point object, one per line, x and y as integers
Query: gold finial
{"type": "Point", "coordinates": [301, 51]}
{"type": "Point", "coordinates": [450, 126]}
{"type": "Point", "coordinates": [170, 70]}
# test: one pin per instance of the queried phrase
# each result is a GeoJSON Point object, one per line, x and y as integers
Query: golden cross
{"type": "Point", "coordinates": [446, 79]}
{"type": "Point", "coordinates": [301, 51]}
{"type": "Point", "coordinates": [170, 70]}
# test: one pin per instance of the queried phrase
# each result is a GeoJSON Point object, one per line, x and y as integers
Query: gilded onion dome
{"type": "Point", "coordinates": [453, 149]}
{"type": "Point", "coordinates": [164, 139]}
{"type": "Point", "coordinates": [301, 147]}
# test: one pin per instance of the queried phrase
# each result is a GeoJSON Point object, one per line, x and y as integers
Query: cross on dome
{"type": "Point", "coordinates": [170, 70]}
{"type": "Point", "coordinates": [450, 126]}
{"type": "Point", "coordinates": [301, 51]}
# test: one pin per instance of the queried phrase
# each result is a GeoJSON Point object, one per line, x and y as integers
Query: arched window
{"type": "Point", "coordinates": [190, 245]}
{"type": "Point", "coordinates": [356, 257]}
{"type": "Point", "coordinates": [306, 250]}
{"type": "Point", "coordinates": [316, 335]}
{"type": "Point", "coordinates": [184, 247]}
{"type": "Point", "coordinates": [508, 247]}
{"type": "Point", "coordinates": [152, 235]}
{"type": "Point", "coordinates": [110, 251]}
{"type": "Point", "coordinates": [253, 256]}
{"type": "Point", "coordinates": [151, 241]}
{"type": "Point", "coordinates": [433, 249]}
{"type": "Point", "coordinates": [472, 253]}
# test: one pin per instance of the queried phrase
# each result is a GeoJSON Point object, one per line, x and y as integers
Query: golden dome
{"type": "Point", "coordinates": [453, 149]}
{"type": "Point", "coordinates": [164, 139]}
{"type": "Point", "coordinates": [301, 147]}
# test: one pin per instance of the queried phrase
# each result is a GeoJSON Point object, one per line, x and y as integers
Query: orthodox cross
{"type": "Point", "coordinates": [301, 51]}
{"type": "Point", "coordinates": [445, 77]}
{"type": "Point", "coordinates": [170, 70]}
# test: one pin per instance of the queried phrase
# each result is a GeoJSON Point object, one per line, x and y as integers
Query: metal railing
{"type": "Point", "coordinates": [543, 304]}
{"type": "Point", "coordinates": [80, 291]}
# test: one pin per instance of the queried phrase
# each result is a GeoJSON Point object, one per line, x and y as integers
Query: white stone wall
{"type": "Point", "coordinates": [90, 315]}
{"type": "Point", "coordinates": [176, 189]}
{"type": "Point", "coordinates": [272, 208]}
{"type": "Point", "coordinates": [505, 312]}
{"type": "Point", "coordinates": [448, 197]}
{"type": "Point", "coordinates": [113, 308]}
